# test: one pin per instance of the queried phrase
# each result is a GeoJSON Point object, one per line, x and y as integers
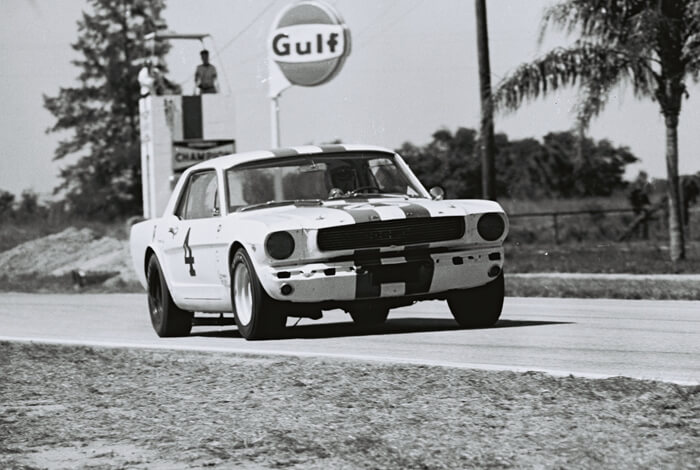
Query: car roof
{"type": "Point", "coordinates": [228, 161]}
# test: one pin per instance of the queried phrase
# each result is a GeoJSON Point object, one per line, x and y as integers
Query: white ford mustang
{"type": "Point", "coordinates": [291, 232]}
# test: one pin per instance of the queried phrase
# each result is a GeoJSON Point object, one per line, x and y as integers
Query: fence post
{"type": "Point", "coordinates": [556, 229]}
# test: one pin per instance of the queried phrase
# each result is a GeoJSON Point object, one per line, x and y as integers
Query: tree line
{"type": "Point", "coordinates": [562, 165]}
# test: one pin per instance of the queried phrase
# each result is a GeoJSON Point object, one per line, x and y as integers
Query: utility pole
{"type": "Point", "coordinates": [486, 141]}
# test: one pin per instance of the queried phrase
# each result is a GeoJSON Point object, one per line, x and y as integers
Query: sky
{"type": "Point", "coordinates": [412, 70]}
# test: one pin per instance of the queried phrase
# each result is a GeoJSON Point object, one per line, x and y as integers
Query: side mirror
{"type": "Point", "coordinates": [437, 193]}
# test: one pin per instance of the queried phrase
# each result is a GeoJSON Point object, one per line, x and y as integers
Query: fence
{"type": "Point", "coordinates": [597, 216]}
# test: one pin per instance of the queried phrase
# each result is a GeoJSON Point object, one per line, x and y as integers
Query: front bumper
{"type": "Point", "coordinates": [387, 275]}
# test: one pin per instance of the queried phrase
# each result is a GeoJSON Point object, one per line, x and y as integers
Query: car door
{"type": "Point", "coordinates": [191, 239]}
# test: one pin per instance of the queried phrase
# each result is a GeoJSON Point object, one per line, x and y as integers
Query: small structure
{"type": "Point", "coordinates": [178, 131]}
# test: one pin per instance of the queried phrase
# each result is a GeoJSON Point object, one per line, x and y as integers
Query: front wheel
{"type": "Point", "coordinates": [257, 315]}
{"type": "Point", "coordinates": [166, 317]}
{"type": "Point", "coordinates": [479, 307]}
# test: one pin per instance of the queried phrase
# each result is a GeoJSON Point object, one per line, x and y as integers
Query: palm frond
{"type": "Point", "coordinates": [582, 64]}
{"type": "Point", "coordinates": [611, 22]}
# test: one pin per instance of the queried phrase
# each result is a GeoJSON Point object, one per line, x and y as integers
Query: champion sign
{"type": "Point", "coordinates": [307, 46]}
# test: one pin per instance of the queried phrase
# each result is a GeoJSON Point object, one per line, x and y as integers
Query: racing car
{"type": "Point", "coordinates": [268, 235]}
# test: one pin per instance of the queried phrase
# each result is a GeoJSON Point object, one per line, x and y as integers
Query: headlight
{"type": "Point", "coordinates": [280, 245]}
{"type": "Point", "coordinates": [491, 226]}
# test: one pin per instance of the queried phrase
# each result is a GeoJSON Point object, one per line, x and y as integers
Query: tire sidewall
{"type": "Point", "coordinates": [252, 328]}
{"type": "Point", "coordinates": [159, 324]}
{"type": "Point", "coordinates": [173, 320]}
{"type": "Point", "coordinates": [478, 307]}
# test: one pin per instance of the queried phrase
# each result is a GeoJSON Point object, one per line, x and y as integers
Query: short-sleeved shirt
{"type": "Point", "coordinates": [205, 78]}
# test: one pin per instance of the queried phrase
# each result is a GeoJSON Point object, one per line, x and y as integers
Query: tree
{"type": "Point", "coordinates": [7, 200]}
{"type": "Point", "coordinates": [102, 110]}
{"type": "Point", "coordinates": [530, 169]}
{"type": "Point", "coordinates": [450, 161]}
{"type": "Point", "coordinates": [653, 45]}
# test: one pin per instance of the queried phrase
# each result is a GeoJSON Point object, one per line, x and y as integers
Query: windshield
{"type": "Point", "coordinates": [317, 177]}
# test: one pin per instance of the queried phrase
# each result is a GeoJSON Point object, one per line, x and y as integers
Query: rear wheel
{"type": "Point", "coordinates": [257, 315]}
{"type": "Point", "coordinates": [479, 307]}
{"type": "Point", "coordinates": [166, 317]}
{"type": "Point", "coordinates": [369, 314]}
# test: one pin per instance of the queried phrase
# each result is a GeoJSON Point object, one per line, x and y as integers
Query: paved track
{"type": "Point", "coordinates": [595, 338]}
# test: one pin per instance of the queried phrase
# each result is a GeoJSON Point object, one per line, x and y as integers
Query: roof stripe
{"type": "Point", "coordinates": [287, 152]}
{"type": "Point", "coordinates": [333, 148]}
{"type": "Point", "coordinates": [304, 149]}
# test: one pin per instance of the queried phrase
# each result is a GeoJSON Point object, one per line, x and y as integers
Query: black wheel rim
{"type": "Point", "coordinates": [155, 299]}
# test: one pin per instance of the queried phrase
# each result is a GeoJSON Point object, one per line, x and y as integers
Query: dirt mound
{"type": "Point", "coordinates": [69, 250]}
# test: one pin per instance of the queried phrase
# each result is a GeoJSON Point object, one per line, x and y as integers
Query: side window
{"type": "Point", "coordinates": [200, 198]}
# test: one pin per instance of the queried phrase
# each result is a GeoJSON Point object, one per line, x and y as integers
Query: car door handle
{"type": "Point", "coordinates": [173, 231]}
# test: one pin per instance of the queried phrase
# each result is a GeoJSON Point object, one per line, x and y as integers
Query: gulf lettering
{"type": "Point", "coordinates": [308, 43]}
{"type": "Point", "coordinates": [303, 47]}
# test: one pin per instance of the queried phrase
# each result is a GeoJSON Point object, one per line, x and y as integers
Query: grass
{"type": "Point", "coordinates": [603, 289]}
{"type": "Point", "coordinates": [116, 408]}
{"type": "Point", "coordinates": [587, 246]}
{"type": "Point", "coordinates": [636, 257]}
{"type": "Point", "coordinates": [515, 287]}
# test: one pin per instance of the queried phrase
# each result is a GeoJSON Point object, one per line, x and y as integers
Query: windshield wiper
{"type": "Point", "coordinates": [362, 190]}
{"type": "Point", "coordinates": [362, 193]}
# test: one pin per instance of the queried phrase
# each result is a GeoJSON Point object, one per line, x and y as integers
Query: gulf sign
{"type": "Point", "coordinates": [308, 43]}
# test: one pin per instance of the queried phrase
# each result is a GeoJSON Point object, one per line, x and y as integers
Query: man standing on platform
{"type": "Point", "coordinates": [205, 75]}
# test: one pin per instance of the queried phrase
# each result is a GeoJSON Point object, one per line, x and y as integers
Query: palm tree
{"type": "Point", "coordinates": [652, 45]}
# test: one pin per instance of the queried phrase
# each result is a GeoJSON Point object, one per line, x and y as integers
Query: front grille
{"type": "Point", "coordinates": [390, 233]}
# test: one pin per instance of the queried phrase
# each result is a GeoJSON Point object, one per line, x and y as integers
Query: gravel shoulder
{"type": "Point", "coordinates": [67, 407]}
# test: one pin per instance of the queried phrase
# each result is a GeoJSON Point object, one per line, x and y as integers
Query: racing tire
{"type": "Point", "coordinates": [257, 315]}
{"type": "Point", "coordinates": [479, 307]}
{"type": "Point", "coordinates": [168, 319]}
{"type": "Point", "coordinates": [369, 315]}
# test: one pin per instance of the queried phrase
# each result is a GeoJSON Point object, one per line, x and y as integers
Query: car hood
{"type": "Point", "coordinates": [331, 213]}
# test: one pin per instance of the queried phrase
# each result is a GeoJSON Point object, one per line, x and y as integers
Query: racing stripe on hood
{"type": "Point", "coordinates": [359, 210]}
{"type": "Point", "coordinates": [361, 215]}
{"type": "Point", "coordinates": [414, 210]}
{"type": "Point", "coordinates": [389, 212]}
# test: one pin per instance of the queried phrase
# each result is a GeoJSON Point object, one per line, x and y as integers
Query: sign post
{"type": "Point", "coordinates": [275, 120]}
{"type": "Point", "coordinates": [307, 46]}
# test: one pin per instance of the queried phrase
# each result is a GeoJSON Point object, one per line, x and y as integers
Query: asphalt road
{"type": "Point", "coordinates": [593, 338]}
